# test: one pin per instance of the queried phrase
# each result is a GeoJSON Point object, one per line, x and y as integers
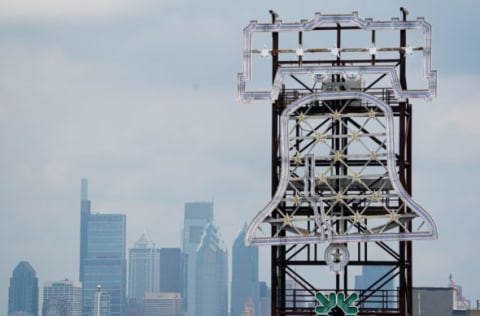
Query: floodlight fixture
{"type": "Point", "coordinates": [335, 51]}
{"type": "Point", "coordinates": [409, 49]}
{"type": "Point", "coordinates": [265, 52]}
{"type": "Point", "coordinates": [299, 51]}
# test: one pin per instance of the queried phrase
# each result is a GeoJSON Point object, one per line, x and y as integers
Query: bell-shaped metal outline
{"type": "Point", "coordinates": [429, 233]}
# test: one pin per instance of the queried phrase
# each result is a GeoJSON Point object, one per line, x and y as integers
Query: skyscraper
{"type": "Point", "coordinates": [102, 258]}
{"type": "Point", "coordinates": [378, 275]}
{"type": "Point", "coordinates": [245, 287]}
{"type": "Point", "coordinates": [171, 264]}
{"type": "Point", "coordinates": [23, 290]}
{"type": "Point", "coordinates": [212, 275]}
{"type": "Point", "coordinates": [265, 300]}
{"type": "Point", "coordinates": [143, 270]}
{"type": "Point", "coordinates": [62, 298]}
{"type": "Point", "coordinates": [197, 216]}
{"type": "Point", "coordinates": [85, 212]}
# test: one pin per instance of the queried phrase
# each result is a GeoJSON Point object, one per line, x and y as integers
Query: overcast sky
{"type": "Point", "coordinates": [139, 96]}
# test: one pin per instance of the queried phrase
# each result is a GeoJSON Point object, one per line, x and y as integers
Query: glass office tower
{"type": "Point", "coordinates": [171, 264]}
{"type": "Point", "coordinates": [85, 212]}
{"type": "Point", "coordinates": [212, 275]}
{"type": "Point", "coordinates": [105, 262]}
{"type": "Point", "coordinates": [197, 216]}
{"type": "Point", "coordinates": [143, 270]}
{"type": "Point", "coordinates": [245, 284]}
{"type": "Point", "coordinates": [102, 259]}
{"type": "Point", "coordinates": [378, 298]}
{"type": "Point", "coordinates": [23, 290]}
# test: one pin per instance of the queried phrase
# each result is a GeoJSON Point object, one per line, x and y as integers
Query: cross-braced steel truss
{"type": "Point", "coordinates": [341, 160]}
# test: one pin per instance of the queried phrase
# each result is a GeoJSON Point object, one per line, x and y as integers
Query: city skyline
{"type": "Point", "coordinates": [133, 97]}
{"type": "Point", "coordinates": [208, 239]}
{"type": "Point", "coordinates": [153, 273]}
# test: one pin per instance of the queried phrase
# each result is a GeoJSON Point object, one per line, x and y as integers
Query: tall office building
{"type": "Point", "coordinates": [143, 270]}
{"type": "Point", "coordinates": [212, 275]}
{"type": "Point", "coordinates": [265, 300]}
{"type": "Point", "coordinates": [85, 211]}
{"type": "Point", "coordinates": [23, 290]}
{"type": "Point", "coordinates": [197, 216]}
{"type": "Point", "coordinates": [171, 270]}
{"type": "Point", "coordinates": [373, 275]}
{"type": "Point", "coordinates": [245, 289]}
{"type": "Point", "coordinates": [102, 258]}
{"type": "Point", "coordinates": [62, 298]}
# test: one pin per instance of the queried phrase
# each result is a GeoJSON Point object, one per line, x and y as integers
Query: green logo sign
{"type": "Point", "coordinates": [336, 304]}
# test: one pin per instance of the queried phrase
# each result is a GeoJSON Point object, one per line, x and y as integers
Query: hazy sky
{"type": "Point", "coordinates": [139, 96]}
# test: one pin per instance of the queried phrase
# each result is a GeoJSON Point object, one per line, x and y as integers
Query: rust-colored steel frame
{"type": "Point", "coordinates": [285, 259]}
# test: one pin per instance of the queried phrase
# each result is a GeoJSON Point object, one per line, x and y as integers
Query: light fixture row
{"type": "Point", "coordinates": [335, 51]}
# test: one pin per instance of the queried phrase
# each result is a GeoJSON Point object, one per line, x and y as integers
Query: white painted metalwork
{"type": "Point", "coordinates": [337, 257]}
{"type": "Point", "coordinates": [320, 20]}
{"type": "Point", "coordinates": [359, 190]}
{"type": "Point", "coordinates": [338, 193]}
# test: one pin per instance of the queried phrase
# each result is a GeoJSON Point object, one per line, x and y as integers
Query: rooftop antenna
{"type": "Point", "coordinates": [84, 189]}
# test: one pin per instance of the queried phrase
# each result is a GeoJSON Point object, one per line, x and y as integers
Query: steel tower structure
{"type": "Point", "coordinates": [341, 158]}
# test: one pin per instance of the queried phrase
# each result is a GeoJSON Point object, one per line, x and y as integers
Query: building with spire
{"type": "Point", "coordinates": [102, 258]}
{"type": "Point", "coordinates": [196, 218]}
{"type": "Point", "coordinates": [212, 275]}
{"type": "Point", "coordinates": [245, 288]}
{"type": "Point", "coordinates": [143, 271]}
{"type": "Point", "coordinates": [23, 290]}
{"type": "Point", "coordinates": [85, 211]}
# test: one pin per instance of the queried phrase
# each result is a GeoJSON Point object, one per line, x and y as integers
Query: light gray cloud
{"type": "Point", "coordinates": [28, 10]}
{"type": "Point", "coordinates": [447, 127]}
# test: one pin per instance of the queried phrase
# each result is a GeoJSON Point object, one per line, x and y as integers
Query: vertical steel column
{"type": "Point", "coordinates": [278, 252]}
{"type": "Point", "coordinates": [405, 149]}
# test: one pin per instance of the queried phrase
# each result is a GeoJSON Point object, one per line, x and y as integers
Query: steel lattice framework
{"type": "Point", "coordinates": [341, 157]}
